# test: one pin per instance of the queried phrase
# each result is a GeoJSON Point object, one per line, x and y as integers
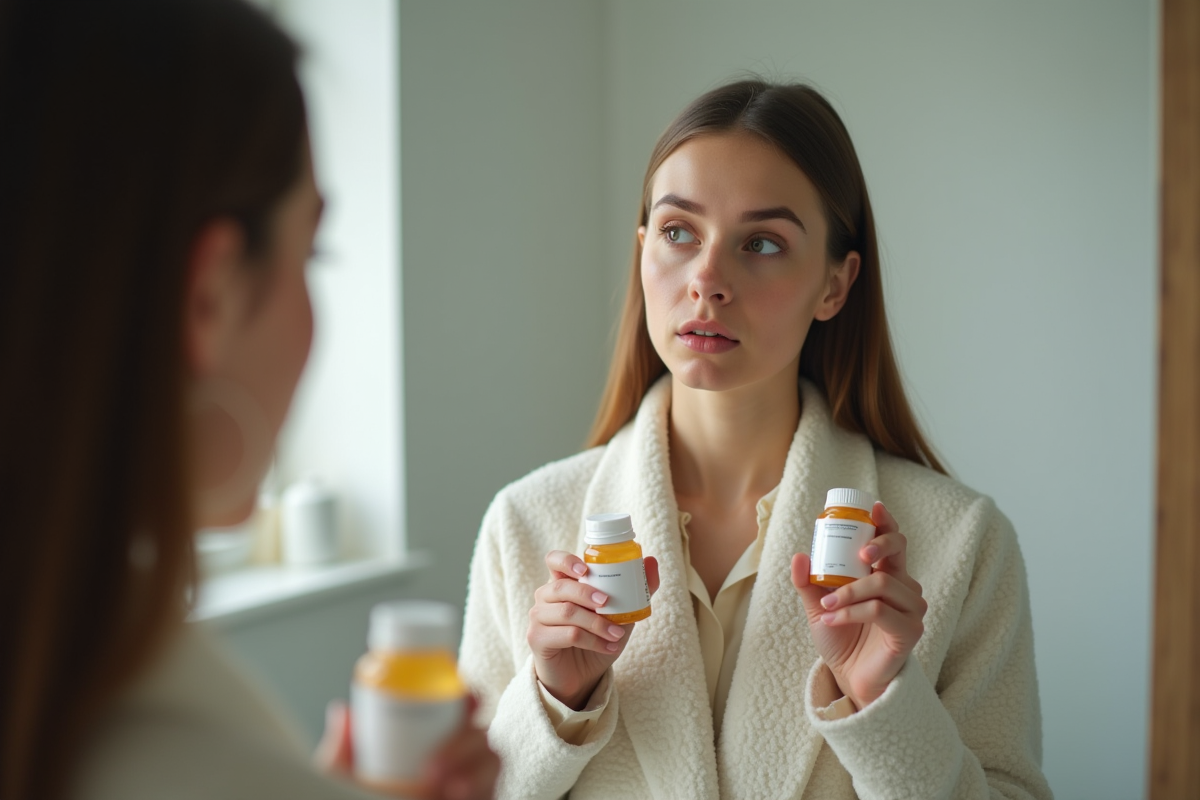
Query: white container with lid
{"type": "Point", "coordinates": [309, 523]}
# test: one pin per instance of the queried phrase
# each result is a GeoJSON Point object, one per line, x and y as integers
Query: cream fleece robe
{"type": "Point", "coordinates": [961, 720]}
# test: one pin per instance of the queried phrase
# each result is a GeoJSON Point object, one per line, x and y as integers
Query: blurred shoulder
{"type": "Point", "coordinates": [196, 725]}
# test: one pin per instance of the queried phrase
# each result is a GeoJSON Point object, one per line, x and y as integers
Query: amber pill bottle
{"type": "Point", "coordinates": [615, 567]}
{"type": "Point", "coordinates": [407, 697]}
{"type": "Point", "coordinates": [842, 530]}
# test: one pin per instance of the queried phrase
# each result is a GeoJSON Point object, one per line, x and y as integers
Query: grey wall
{"type": "Point", "coordinates": [506, 310]}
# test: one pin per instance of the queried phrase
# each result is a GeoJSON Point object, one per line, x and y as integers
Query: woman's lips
{"type": "Point", "coordinates": [711, 343]}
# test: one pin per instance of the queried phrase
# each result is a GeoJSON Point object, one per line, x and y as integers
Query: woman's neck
{"type": "Point", "coordinates": [730, 447]}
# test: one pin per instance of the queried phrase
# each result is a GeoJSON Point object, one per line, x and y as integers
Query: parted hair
{"type": "Point", "coordinates": [850, 356]}
{"type": "Point", "coordinates": [125, 126]}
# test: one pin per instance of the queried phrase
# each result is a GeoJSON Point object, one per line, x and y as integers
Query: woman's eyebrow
{"type": "Point", "coordinates": [680, 203]}
{"type": "Point", "coordinates": [759, 215]}
{"type": "Point", "coordinates": [778, 212]}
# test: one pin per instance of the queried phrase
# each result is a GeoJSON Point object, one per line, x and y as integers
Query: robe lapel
{"type": "Point", "coordinates": [663, 697]}
{"type": "Point", "coordinates": [767, 746]}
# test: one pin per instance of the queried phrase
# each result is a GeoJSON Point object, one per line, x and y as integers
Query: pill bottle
{"type": "Point", "coordinates": [615, 567]}
{"type": "Point", "coordinates": [842, 530]}
{"type": "Point", "coordinates": [407, 696]}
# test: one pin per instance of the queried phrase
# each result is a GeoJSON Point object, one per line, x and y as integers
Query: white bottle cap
{"type": "Point", "coordinates": [608, 529]}
{"type": "Point", "coordinates": [854, 498]}
{"type": "Point", "coordinates": [413, 625]}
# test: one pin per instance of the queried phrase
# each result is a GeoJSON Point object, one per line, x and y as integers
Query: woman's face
{"type": "Point", "coordinates": [733, 264]}
{"type": "Point", "coordinates": [262, 343]}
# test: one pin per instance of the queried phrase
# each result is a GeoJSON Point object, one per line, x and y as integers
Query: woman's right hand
{"type": "Point", "coordinates": [573, 645]}
{"type": "Point", "coordinates": [462, 768]}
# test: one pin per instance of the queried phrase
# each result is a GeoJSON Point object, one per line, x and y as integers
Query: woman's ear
{"type": "Point", "coordinates": [841, 278]}
{"type": "Point", "coordinates": [641, 233]}
{"type": "Point", "coordinates": [215, 294]}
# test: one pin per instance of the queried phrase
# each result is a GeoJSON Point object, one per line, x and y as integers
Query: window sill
{"type": "Point", "coordinates": [250, 594]}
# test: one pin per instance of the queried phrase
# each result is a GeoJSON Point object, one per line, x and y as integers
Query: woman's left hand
{"type": "Point", "coordinates": [865, 630]}
{"type": "Point", "coordinates": [462, 768]}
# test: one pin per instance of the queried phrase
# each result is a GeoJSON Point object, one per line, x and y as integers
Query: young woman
{"type": "Point", "coordinates": [157, 209]}
{"type": "Point", "coordinates": [753, 372]}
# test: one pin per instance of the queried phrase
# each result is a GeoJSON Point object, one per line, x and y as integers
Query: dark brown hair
{"type": "Point", "coordinates": [125, 126]}
{"type": "Point", "coordinates": [849, 357]}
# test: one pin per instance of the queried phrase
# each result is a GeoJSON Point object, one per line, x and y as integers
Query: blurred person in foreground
{"type": "Point", "coordinates": [157, 210]}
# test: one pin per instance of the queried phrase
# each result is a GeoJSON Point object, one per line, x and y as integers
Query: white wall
{"type": "Point", "coordinates": [346, 424]}
{"type": "Point", "coordinates": [505, 313]}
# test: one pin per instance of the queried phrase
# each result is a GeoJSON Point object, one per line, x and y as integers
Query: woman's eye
{"type": "Point", "coordinates": [764, 247]}
{"type": "Point", "coordinates": [677, 235]}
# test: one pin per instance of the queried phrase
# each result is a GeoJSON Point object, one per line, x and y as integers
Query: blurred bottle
{"type": "Point", "coordinates": [407, 696]}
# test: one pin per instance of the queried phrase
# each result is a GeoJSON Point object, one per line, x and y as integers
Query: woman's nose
{"type": "Point", "coordinates": [709, 279]}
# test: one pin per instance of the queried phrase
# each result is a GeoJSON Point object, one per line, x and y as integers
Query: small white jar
{"type": "Point", "coordinates": [309, 523]}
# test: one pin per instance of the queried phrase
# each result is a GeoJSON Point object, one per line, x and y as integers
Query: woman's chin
{"type": "Point", "coordinates": [703, 377]}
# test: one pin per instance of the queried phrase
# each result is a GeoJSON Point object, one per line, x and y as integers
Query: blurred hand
{"type": "Point", "coordinates": [463, 768]}
{"type": "Point", "coordinates": [573, 645]}
{"type": "Point", "coordinates": [865, 630]}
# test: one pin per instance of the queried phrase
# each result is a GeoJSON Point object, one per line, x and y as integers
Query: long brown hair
{"type": "Point", "coordinates": [125, 126]}
{"type": "Point", "coordinates": [850, 356]}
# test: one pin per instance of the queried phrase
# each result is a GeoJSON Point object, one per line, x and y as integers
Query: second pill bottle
{"type": "Point", "coordinates": [407, 696]}
{"type": "Point", "coordinates": [615, 567]}
{"type": "Point", "coordinates": [842, 530]}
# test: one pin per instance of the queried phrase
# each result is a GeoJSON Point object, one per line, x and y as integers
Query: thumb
{"type": "Point", "coordinates": [335, 752]}
{"type": "Point", "coordinates": [810, 594]}
{"type": "Point", "coordinates": [652, 579]}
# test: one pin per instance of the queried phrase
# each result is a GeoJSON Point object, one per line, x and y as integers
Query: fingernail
{"type": "Point", "coordinates": [828, 618]}
{"type": "Point", "coordinates": [829, 601]}
{"type": "Point", "coordinates": [872, 552]}
{"type": "Point", "coordinates": [579, 569]}
{"type": "Point", "coordinates": [599, 598]}
{"type": "Point", "coordinates": [616, 630]}
{"type": "Point", "coordinates": [612, 647]}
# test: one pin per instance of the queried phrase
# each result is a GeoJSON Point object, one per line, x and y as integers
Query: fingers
{"type": "Point", "coordinates": [335, 754]}
{"type": "Point", "coordinates": [565, 565]}
{"type": "Point", "coordinates": [876, 590]}
{"type": "Point", "coordinates": [810, 593]}
{"type": "Point", "coordinates": [564, 615]}
{"type": "Point", "coordinates": [652, 578]}
{"type": "Point", "coordinates": [472, 705]}
{"type": "Point", "coordinates": [558, 626]}
{"type": "Point", "coordinates": [464, 767]}
{"type": "Point", "coordinates": [906, 628]}
{"type": "Point", "coordinates": [883, 519]}
{"type": "Point", "coordinates": [888, 551]}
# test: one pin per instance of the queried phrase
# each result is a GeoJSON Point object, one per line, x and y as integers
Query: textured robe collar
{"type": "Point", "coordinates": [768, 747]}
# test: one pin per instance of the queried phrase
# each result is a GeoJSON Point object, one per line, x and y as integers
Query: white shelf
{"type": "Point", "coordinates": [244, 595]}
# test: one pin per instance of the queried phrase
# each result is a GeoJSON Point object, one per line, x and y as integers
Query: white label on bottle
{"type": "Point", "coordinates": [393, 737]}
{"type": "Point", "coordinates": [624, 582]}
{"type": "Point", "coordinates": [835, 547]}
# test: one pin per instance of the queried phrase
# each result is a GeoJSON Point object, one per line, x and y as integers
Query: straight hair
{"type": "Point", "coordinates": [849, 357]}
{"type": "Point", "coordinates": [125, 127]}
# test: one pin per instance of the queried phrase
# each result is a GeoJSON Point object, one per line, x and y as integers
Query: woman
{"type": "Point", "coordinates": [753, 372]}
{"type": "Point", "coordinates": [157, 208]}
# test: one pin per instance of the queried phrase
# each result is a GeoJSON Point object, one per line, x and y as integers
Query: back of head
{"type": "Point", "coordinates": [850, 356]}
{"type": "Point", "coordinates": [124, 127]}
